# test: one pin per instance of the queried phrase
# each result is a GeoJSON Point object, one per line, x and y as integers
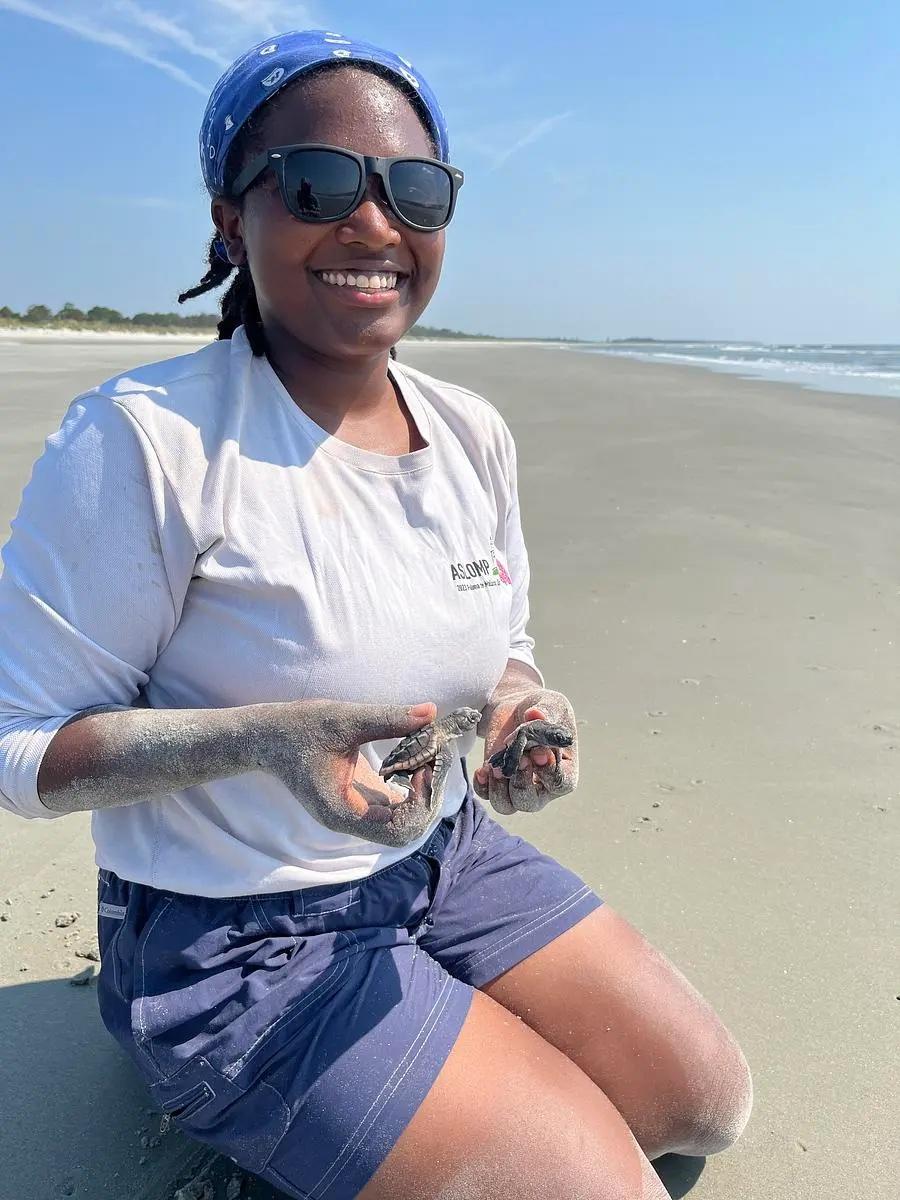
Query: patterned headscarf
{"type": "Point", "coordinates": [264, 69]}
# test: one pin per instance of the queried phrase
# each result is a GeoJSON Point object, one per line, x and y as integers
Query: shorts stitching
{"type": "Point", "coordinates": [285, 1184]}
{"type": "Point", "coordinates": [260, 919]}
{"type": "Point", "coordinates": [428, 1028]}
{"type": "Point", "coordinates": [286, 1119]}
{"type": "Point", "coordinates": [532, 926]}
{"type": "Point", "coordinates": [302, 1004]}
{"type": "Point", "coordinates": [324, 912]}
{"type": "Point", "coordinates": [143, 1040]}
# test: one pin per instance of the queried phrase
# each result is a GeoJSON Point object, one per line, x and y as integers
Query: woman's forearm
{"type": "Point", "coordinates": [113, 757]}
{"type": "Point", "coordinates": [516, 683]}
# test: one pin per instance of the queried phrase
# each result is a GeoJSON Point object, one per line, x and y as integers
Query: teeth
{"type": "Point", "coordinates": [373, 283]}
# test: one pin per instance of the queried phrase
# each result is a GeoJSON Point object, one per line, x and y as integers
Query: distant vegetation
{"type": "Point", "coordinates": [105, 319]}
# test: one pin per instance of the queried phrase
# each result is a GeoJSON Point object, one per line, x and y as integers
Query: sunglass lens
{"type": "Point", "coordinates": [321, 184]}
{"type": "Point", "coordinates": [422, 193]}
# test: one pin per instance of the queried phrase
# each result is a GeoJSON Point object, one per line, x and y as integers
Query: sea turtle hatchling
{"type": "Point", "coordinates": [529, 736]}
{"type": "Point", "coordinates": [430, 744]}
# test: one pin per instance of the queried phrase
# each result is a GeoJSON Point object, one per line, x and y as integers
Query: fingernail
{"type": "Point", "coordinates": [418, 710]}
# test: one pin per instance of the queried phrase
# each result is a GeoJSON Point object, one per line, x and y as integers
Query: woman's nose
{"type": "Point", "coordinates": [371, 221]}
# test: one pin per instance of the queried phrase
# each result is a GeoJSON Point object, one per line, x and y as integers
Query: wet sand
{"type": "Point", "coordinates": [716, 585]}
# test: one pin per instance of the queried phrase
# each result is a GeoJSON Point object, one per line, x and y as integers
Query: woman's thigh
{"type": "Point", "coordinates": [510, 1116]}
{"type": "Point", "coordinates": [615, 1006]}
{"type": "Point", "coordinates": [521, 927]}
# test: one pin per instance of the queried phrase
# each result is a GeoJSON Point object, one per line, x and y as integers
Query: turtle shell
{"type": "Point", "coordinates": [413, 752]}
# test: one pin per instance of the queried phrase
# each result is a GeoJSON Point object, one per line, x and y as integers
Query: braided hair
{"type": "Point", "coordinates": [239, 305]}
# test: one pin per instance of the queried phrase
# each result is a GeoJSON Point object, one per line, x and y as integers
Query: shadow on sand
{"type": "Point", "coordinates": [679, 1173]}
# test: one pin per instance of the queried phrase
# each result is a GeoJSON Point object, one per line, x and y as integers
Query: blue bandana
{"type": "Point", "coordinates": [257, 75]}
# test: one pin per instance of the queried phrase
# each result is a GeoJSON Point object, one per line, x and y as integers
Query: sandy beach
{"type": "Point", "coordinates": [716, 585]}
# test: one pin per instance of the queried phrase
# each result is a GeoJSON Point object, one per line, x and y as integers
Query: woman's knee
{"type": "Point", "coordinates": [713, 1110]}
{"type": "Point", "coordinates": [511, 1116]}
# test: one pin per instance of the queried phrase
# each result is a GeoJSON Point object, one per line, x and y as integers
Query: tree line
{"type": "Point", "coordinates": [70, 314]}
{"type": "Point", "coordinates": [101, 318]}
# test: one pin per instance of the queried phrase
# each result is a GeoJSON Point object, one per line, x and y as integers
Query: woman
{"type": "Point", "coordinates": [233, 578]}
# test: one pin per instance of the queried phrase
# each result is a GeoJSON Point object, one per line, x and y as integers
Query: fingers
{"type": "Point", "coordinates": [349, 725]}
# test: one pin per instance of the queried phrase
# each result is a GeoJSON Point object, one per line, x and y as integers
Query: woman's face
{"type": "Point", "coordinates": [359, 111]}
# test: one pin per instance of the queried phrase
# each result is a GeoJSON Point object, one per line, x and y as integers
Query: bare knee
{"type": "Point", "coordinates": [713, 1110]}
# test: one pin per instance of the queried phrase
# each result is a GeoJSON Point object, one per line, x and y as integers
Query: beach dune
{"type": "Point", "coordinates": [715, 584]}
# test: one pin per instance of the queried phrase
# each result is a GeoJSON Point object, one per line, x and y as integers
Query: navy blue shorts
{"type": "Point", "coordinates": [299, 1032]}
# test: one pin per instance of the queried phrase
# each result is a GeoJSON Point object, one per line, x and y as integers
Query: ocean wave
{"type": "Point", "coordinates": [717, 357]}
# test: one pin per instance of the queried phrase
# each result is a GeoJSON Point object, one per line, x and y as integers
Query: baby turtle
{"type": "Point", "coordinates": [431, 743]}
{"type": "Point", "coordinates": [529, 736]}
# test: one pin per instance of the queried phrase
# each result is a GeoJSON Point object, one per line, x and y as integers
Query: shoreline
{"type": "Point", "coordinates": [40, 333]}
{"type": "Point", "coordinates": [831, 385]}
{"type": "Point", "coordinates": [833, 382]}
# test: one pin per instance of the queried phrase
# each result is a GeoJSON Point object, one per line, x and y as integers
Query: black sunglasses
{"type": "Point", "coordinates": [326, 183]}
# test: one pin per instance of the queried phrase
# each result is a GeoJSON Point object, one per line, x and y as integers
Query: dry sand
{"type": "Point", "coordinates": [716, 586]}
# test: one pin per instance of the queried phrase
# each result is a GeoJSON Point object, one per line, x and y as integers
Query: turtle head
{"type": "Point", "coordinates": [556, 735]}
{"type": "Point", "coordinates": [465, 719]}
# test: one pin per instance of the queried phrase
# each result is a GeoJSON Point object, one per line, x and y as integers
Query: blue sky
{"type": "Point", "coordinates": [691, 170]}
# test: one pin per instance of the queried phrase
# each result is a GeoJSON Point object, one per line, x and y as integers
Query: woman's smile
{"type": "Point", "coordinates": [372, 289]}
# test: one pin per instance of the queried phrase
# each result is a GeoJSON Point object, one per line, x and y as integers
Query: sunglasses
{"type": "Point", "coordinates": [326, 183]}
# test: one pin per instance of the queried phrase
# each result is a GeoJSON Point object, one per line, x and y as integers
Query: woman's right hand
{"type": "Point", "coordinates": [312, 746]}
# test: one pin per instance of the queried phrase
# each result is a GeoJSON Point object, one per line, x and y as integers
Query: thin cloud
{"type": "Point", "coordinates": [269, 16]}
{"type": "Point", "coordinates": [536, 131]}
{"type": "Point", "coordinates": [171, 31]}
{"type": "Point", "coordinates": [90, 32]}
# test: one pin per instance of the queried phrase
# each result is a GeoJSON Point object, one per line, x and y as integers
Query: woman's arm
{"type": "Point", "coordinates": [115, 757]}
{"type": "Point", "coordinates": [109, 758]}
{"type": "Point", "coordinates": [96, 575]}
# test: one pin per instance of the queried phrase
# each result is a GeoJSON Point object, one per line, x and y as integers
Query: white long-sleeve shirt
{"type": "Point", "coordinates": [192, 535]}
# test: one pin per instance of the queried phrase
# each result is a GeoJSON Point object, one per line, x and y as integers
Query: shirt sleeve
{"type": "Point", "coordinates": [521, 645]}
{"type": "Point", "coordinates": [95, 575]}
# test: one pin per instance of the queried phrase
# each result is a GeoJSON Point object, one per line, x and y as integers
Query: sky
{"type": "Point", "coordinates": [690, 170]}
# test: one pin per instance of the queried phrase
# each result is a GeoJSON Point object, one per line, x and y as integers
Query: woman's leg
{"type": "Point", "coordinates": [617, 1008]}
{"type": "Point", "coordinates": [509, 1116]}
{"type": "Point", "coordinates": [520, 926]}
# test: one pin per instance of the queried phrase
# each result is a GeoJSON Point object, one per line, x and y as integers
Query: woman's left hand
{"type": "Point", "coordinates": [544, 772]}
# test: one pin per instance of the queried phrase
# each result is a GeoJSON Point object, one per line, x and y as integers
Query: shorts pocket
{"type": "Point", "coordinates": [247, 1126]}
{"type": "Point", "coordinates": [186, 1105]}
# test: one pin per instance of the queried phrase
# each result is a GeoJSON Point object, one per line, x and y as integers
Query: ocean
{"type": "Point", "coordinates": [874, 369]}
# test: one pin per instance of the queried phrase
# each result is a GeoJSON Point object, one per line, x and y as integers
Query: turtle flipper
{"type": "Point", "coordinates": [528, 736]}
{"type": "Point", "coordinates": [508, 759]}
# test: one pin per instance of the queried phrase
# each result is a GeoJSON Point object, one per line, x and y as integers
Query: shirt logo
{"type": "Point", "coordinates": [479, 573]}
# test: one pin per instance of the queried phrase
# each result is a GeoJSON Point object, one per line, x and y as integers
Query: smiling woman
{"type": "Point", "coordinates": [323, 955]}
{"type": "Point", "coordinates": [322, 184]}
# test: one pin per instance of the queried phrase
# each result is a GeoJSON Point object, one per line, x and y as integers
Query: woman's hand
{"type": "Point", "coordinates": [312, 746]}
{"type": "Point", "coordinates": [544, 773]}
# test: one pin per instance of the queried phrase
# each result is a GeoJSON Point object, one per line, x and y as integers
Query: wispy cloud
{"type": "Point", "coordinates": [170, 34]}
{"type": "Point", "coordinates": [538, 130]}
{"type": "Point", "coordinates": [92, 32]}
{"type": "Point", "coordinates": [270, 16]}
{"type": "Point", "coordinates": [168, 29]}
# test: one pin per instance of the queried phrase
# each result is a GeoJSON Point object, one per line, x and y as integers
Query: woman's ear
{"type": "Point", "coordinates": [226, 217]}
